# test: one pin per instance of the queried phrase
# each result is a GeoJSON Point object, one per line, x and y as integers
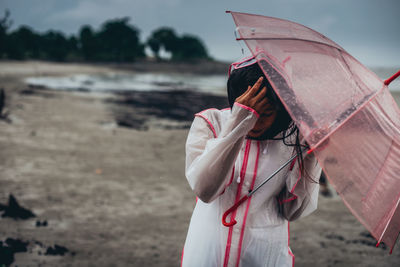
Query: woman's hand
{"type": "Point", "coordinates": [255, 98]}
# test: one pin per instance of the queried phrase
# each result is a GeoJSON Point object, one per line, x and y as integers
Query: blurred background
{"type": "Point", "coordinates": [96, 100]}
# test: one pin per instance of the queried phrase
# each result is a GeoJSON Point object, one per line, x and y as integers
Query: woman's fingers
{"type": "Point", "coordinates": [261, 94]}
{"type": "Point", "coordinates": [247, 91]}
{"type": "Point", "coordinates": [244, 96]}
{"type": "Point", "coordinates": [262, 105]}
{"type": "Point", "coordinates": [252, 90]}
{"type": "Point", "coordinates": [256, 86]}
{"type": "Point", "coordinates": [264, 102]}
{"type": "Point", "coordinates": [255, 98]}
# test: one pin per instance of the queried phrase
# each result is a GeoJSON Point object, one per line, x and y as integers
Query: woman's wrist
{"type": "Point", "coordinates": [247, 108]}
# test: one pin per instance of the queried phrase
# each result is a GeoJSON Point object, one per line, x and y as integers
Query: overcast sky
{"type": "Point", "coordinates": [367, 29]}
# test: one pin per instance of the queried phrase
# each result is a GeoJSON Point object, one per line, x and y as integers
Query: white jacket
{"type": "Point", "coordinates": [221, 167]}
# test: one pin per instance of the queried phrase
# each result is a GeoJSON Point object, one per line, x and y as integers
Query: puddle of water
{"type": "Point", "coordinates": [134, 82]}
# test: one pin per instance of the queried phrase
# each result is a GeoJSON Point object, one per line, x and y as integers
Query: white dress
{"type": "Point", "coordinates": [221, 167]}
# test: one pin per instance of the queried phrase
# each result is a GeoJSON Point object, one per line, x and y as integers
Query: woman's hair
{"type": "Point", "coordinates": [237, 84]}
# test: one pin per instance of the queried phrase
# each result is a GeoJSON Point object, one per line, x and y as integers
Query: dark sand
{"type": "Point", "coordinates": [106, 172]}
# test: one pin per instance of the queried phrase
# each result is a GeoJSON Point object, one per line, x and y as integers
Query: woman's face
{"type": "Point", "coordinates": [263, 123]}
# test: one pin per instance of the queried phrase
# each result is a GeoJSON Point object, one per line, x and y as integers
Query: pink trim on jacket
{"type": "Point", "coordinates": [288, 244]}
{"type": "Point", "coordinates": [248, 108]}
{"type": "Point", "coordinates": [209, 123]}
{"type": "Point", "coordinates": [238, 63]}
{"type": "Point", "coordinates": [233, 215]}
{"type": "Point", "coordinates": [243, 60]}
{"type": "Point", "coordinates": [292, 190]}
{"type": "Point", "coordinates": [233, 174]}
{"type": "Point", "coordinates": [183, 249]}
{"type": "Point", "coordinates": [206, 110]}
{"type": "Point", "coordinates": [287, 200]}
{"type": "Point", "coordinates": [298, 179]}
{"type": "Point", "coordinates": [248, 205]}
{"type": "Point", "coordinates": [292, 164]}
{"type": "Point", "coordinates": [199, 114]}
{"type": "Point", "coordinates": [230, 181]}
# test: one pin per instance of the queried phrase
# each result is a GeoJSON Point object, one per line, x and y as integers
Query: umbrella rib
{"type": "Point", "coordinates": [378, 175]}
{"type": "Point", "coordinates": [292, 38]}
{"type": "Point", "coordinates": [352, 74]}
{"type": "Point", "coordinates": [387, 224]}
{"type": "Point", "coordinates": [349, 117]}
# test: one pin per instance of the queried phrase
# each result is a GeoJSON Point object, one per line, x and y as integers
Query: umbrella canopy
{"type": "Point", "coordinates": [344, 111]}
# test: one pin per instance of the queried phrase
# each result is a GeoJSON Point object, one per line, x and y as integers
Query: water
{"type": "Point", "coordinates": [215, 84]}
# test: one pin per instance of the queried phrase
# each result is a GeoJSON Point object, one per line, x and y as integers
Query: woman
{"type": "Point", "coordinates": [228, 153]}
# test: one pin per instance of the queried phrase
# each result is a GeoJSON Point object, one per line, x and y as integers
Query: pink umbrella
{"type": "Point", "coordinates": [344, 111]}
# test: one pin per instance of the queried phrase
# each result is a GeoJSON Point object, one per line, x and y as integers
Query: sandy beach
{"type": "Point", "coordinates": [106, 173]}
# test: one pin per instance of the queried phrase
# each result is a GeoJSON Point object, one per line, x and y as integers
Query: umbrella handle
{"type": "Point", "coordinates": [243, 199]}
{"type": "Point", "coordinates": [232, 209]}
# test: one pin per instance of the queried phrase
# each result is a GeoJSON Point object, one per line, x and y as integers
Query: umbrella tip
{"type": "Point", "coordinates": [388, 81]}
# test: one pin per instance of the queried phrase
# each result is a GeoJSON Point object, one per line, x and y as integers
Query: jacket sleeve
{"type": "Point", "coordinates": [209, 158]}
{"type": "Point", "coordinates": [299, 197]}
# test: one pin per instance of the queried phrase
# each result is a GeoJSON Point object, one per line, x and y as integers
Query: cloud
{"type": "Point", "coordinates": [95, 12]}
{"type": "Point", "coordinates": [349, 23]}
{"type": "Point", "coordinates": [325, 23]}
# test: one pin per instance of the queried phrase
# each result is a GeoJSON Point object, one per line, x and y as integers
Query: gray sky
{"type": "Point", "coordinates": [367, 29]}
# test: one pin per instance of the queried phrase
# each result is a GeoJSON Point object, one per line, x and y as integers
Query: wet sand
{"type": "Point", "coordinates": [106, 172]}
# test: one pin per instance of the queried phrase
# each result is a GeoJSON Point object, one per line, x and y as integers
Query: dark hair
{"type": "Point", "coordinates": [237, 84]}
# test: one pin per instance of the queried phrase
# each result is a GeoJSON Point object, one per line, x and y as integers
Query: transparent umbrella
{"type": "Point", "coordinates": [344, 111]}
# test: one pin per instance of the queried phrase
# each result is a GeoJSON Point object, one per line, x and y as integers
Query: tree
{"type": "Point", "coordinates": [116, 41]}
{"type": "Point", "coordinates": [88, 43]}
{"type": "Point", "coordinates": [190, 47]}
{"type": "Point", "coordinates": [23, 43]}
{"type": "Point", "coordinates": [73, 48]}
{"type": "Point", "coordinates": [5, 24]}
{"type": "Point", "coordinates": [186, 47]}
{"type": "Point", "coordinates": [155, 46]}
{"type": "Point", "coordinates": [119, 41]}
{"type": "Point", "coordinates": [55, 45]}
{"type": "Point", "coordinates": [163, 37]}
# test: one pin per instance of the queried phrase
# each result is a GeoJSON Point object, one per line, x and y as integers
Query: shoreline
{"type": "Point", "coordinates": [59, 68]}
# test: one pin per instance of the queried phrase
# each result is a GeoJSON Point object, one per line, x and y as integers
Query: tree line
{"type": "Point", "coordinates": [116, 41]}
